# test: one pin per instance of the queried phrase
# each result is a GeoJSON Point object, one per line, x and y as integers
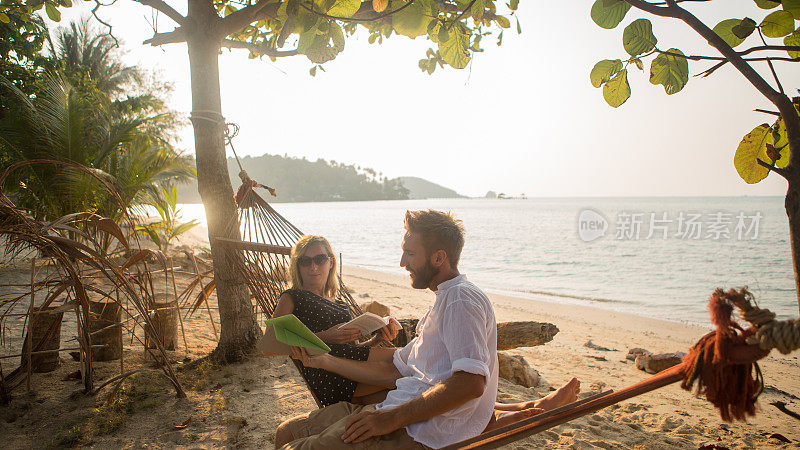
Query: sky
{"type": "Point", "coordinates": [522, 118]}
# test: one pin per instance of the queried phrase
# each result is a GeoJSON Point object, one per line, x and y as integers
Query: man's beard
{"type": "Point", "coordinates": [421, 278]}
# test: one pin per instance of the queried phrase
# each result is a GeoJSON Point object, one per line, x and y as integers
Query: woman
{"type": "Point", "coordinates": [312, 299]}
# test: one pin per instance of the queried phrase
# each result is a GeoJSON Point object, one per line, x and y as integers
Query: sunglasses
{"type": "Point", "coordinates": [305, 261]}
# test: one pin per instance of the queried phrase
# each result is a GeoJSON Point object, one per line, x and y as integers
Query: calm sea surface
{"type": "Point", "coordinates": [533, 248]}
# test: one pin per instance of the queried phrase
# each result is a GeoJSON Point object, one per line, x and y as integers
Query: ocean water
{"type": "Point", "coordinates": [534, 248]}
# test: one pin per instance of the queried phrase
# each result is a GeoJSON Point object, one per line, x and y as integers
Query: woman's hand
{"type": "Point", "coordinates": [334, 335]}
{"type": "Point", "coordinates": [389, 332]}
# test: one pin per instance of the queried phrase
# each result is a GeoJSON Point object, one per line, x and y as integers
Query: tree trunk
{"type": "Point", "coordinates": [239, 329]}
{"type": "Point", "coordinates": [792, 205]}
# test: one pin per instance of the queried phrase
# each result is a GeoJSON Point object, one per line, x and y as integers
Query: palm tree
{"type": "Point", "coordinates": [87, 56]}
{"type": "Point", "coordinates": [63, 123]}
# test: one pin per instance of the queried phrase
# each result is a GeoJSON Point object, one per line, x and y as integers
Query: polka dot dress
{"type": "Point", "coordinates": [319, 314]}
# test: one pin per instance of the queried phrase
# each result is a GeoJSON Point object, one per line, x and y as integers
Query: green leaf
{"type": "Point", "coordinates": [344, 8]}
{"type": "Point", "coordinates": [670, 71]}
{"type": "Point", "coordinates": [753, 146]}
{"type": "Point", "coordinates": [477, 10]}
{"type": "Point", "coordinates": [513, 5]}
{"type": "Point", "coordinates": [4, 18]}
{"type": "Point", "coordinates": [503, 22]}
{"type": "Point", "coordinates": [413, 20]}
{"type": "Point", "coordinates": [153, 235]}
{"type": "Point", "coordinates": [777, 24]}
{"type": "Point", "coordinates": [321, 46]}
{"type": "Point", "coordinates": [794, 40]}
{"type": "Point", "coordinates": [639, 64]}
{"type": "Point", "coordinates": [792, 6]}
{"type": "Point", "coordinates": [443, 35]}
{"type": "Point", "coordinates": [767, 4]}
{"type": "Point", "coordinates": [617, 90]}
{"type": "Point", "coordinates": [454, 51]}
{"type": "Point", "coordinates": [745, 28]}
{"type": "Point", "coordinates": [604, 70]}
{"type": "Point", "coordinates": [781, 139]}
{"type": "Point", "coordinates": [52, 12]}
{"type": "Point", "coordinates": [609, 13]}
{"type": "Point", "coordinates": [519, 28]}
{"type": "Point", "coordinates": [724, 30]}
{"type": "Point", "coordinates": [184, 227]}
{"type": "Point", "coordinates": [638, 37]}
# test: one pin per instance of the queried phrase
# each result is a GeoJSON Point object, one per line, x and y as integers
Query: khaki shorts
{"type": "Point", "coordinates": [323, 429]}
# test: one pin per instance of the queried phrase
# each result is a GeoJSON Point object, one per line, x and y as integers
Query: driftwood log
{"type": "Point", "coordinates": [509, 334]}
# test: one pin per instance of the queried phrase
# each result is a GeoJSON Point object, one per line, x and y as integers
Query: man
{"type": "Point", "coordinates": [444, 382]}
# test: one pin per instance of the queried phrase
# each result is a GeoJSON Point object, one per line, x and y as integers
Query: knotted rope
{"type": "Point", "coordinates": [731, 379]}
{"type": "Point", "coordinates": [783, 336]}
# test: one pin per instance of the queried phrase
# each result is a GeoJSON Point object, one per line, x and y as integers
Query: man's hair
{"type": "Point", "coordinates": [439, 231]}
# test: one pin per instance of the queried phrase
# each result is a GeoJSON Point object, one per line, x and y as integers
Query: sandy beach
{"type": "Point", "coordinates": [240, 405]}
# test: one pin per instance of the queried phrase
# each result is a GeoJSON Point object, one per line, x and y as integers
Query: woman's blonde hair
{"type": "Point", "coordinates": [331, 288]}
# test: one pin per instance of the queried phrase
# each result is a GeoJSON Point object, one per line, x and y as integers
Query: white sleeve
{"type": "Point", "coordinates": [463, 330]}
{"type": "Point", "coordinates": [400, 358]}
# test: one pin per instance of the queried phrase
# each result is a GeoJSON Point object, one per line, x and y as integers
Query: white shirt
{"type": "Point", "coordinates": [459, 333]}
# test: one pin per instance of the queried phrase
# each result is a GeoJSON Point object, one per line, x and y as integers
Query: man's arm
{"type": "Point", "coordinates": [378, 370]}
{"type": "Point", "coordinates": [460, 388]}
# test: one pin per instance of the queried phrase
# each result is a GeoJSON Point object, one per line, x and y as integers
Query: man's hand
{"type": "Point", "coordinates": [367, 424]}
{"type": "Point", "coordinates": [317, 362]}
{"type": "Point", "coordinates": [389, 332]}
{"type": "Point", "coordinates": [334, 335]}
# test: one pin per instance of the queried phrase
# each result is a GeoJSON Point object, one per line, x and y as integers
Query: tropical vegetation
{"type": "Point", "coordinates": [85, 106]}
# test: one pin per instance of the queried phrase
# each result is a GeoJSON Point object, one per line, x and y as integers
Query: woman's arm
{"type": "Point", "coordinates": [332, 335]}
{"type": "Point", "coordinates": [285, 305]}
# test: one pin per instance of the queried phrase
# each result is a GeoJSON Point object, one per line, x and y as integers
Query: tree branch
{"type": "Point", "coordinates": [450, 8]}
{"type": "Point", "coordinates": [264, 9]}
{"type": "Point", "coordinates": [362, 15]}
{"type": "Point", "coordinates": [173, 37]}
{"type": "Point", "coordinates": [769, 63]}
{"type": "Point", "coordinates": [653, 8]}
{"type": "Point", "coordinates": [774, 113]}
{"type": "Point", "coordinates": [256, 48]}
{"type": "Point", "coordinates": [782, 172]}
{"type": "Point", "coordinates": [162, 7]}
{"type": "Point", "coordinates": [770, 47]}
{"type": "Point", "coordinates": [458, 17]}
{"type": "Point", "coordinates": [714, 68]}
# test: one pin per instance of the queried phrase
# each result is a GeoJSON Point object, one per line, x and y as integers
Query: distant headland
{"type": "Point", "coordinates": [302, 180]}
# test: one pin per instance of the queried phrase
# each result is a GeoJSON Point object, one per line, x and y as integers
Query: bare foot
{"type": "Point", "coordinates": [564, 395]}
{"type": "Point", "coordinates": [501, 418]}
{"type": "Point", "coordinates": [508, 413]}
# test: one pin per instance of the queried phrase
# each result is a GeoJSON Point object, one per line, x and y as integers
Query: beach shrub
{"type": "Point", "coordinates": [165, 202]}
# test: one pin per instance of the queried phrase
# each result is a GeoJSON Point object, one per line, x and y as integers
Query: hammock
{"type": "Point", "coordinates": [264, 251]}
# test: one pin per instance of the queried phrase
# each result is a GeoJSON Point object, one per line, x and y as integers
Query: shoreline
{"type": "Point", "coordinates": [546, 297]}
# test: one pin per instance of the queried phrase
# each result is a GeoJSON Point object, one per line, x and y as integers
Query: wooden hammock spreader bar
{"type": "Point", "coordinates": [513, 426]}
{"type": "Point", "coordinates": [538, 423]}
{"type": "Point", "coordinates": [541, 422]}
{"type": "Point", "coordinates": [253, 246]}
